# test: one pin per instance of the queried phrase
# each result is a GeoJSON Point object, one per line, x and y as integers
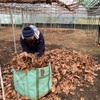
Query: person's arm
{"type": "Point", "coordinates": [41, 45]}
{"type": "Point", "coordinates": [24, 47]}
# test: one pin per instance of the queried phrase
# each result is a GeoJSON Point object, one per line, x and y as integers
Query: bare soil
{"type": "Point", "coordinates": [76, 39]}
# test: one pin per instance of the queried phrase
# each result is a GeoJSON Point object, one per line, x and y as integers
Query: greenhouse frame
{"type": "Point", "coordinates": [69, 68]}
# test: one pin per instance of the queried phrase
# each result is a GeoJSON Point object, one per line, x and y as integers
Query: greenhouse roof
{"type": "Point", "coordinates": [90, 3]}
{"type": "Point", "coordinates": [31, 5]}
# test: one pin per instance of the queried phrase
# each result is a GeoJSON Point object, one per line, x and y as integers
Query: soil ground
{"type": "Point", "coordinates": [76, 39]}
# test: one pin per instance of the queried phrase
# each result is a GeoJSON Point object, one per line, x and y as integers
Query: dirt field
{"type": "Point", "coordinates": [76, 39]}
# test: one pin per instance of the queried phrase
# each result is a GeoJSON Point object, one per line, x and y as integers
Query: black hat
{"type": "Point", "coordinates": [27, 32]}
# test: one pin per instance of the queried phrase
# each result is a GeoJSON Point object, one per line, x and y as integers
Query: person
{"type": "Point", "coordinates": [32, 40]}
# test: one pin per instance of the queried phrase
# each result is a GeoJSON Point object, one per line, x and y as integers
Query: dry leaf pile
{"type": "Point", "coordinates": [28, 61]}
{"type": "Point", "coordinates": [70, 69]}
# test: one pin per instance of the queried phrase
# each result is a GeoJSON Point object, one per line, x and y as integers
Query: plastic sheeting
{"type": "Point", "coordinates": [90, 3]}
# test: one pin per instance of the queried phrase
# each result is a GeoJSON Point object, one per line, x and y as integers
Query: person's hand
{"type": "Point", "coordinates": [39, 55]}
{"type": "Point", "coordinates": [23, 54]}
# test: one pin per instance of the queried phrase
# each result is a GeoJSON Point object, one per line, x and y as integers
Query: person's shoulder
{"type": "Point", "coordinates": [40, 33]}
{"type": "Point", "coordinates": [21, 37]}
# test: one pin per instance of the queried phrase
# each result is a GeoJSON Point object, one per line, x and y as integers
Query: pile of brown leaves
{"type": "Point", "coordinates": [70, 69]}
{"type": "Point", "coordinates": [28, 61]}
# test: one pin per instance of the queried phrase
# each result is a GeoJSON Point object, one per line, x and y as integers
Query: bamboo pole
{"type": "Point", "coordinates": [2, 86]}
{"type": "Point", "coordinates": [13, 31]}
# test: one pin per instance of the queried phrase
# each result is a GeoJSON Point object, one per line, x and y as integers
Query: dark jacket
{"type": "Point", "coordinates": [38, 45]}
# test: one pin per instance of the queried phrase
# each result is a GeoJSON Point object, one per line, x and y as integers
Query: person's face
{"type": "Point", "coordinates": [31, 38]}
